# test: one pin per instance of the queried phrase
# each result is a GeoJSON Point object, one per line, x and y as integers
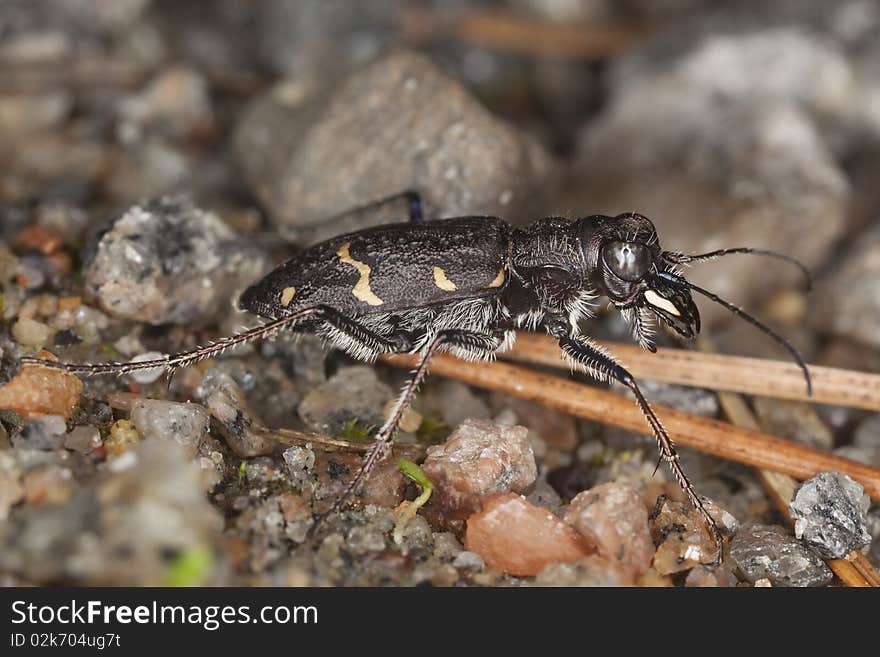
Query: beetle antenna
{"type": "Point", "coordinates": [685, 258]}
{"type": "Point", "coordinates": [736, 310]}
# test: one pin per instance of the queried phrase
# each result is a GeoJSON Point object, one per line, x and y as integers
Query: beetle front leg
{"type": "Point", "coordinates": [600, 365]}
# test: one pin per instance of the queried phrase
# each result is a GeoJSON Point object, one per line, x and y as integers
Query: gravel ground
{"type": "Point", "coordinates": [159, 158]}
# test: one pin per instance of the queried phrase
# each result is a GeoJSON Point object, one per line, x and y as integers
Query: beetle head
{"type": "Point", "coordinates": [629, 271]}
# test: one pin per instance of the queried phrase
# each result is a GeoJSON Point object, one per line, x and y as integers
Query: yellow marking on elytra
{"type": "Point", "coordinates": [361, 289]}
{"type": "Point", "coordinates": [287, 296]}
{"type": "Point", "coordinates": [498, 280]}
{"type": "Point", "coordinates": [441, 280]}
{"type": "Point", "coordinates": [660, 302]}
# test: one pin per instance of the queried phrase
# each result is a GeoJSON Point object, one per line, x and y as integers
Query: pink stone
{"type": "Point", "coordinates": [517, 537]}
{"type": "Point", "coordinates": [614, 519]}
{"type": "Point", "coordinates": [478, 460]}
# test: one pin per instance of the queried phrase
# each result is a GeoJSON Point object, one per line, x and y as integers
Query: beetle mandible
{"type": "Point", "coordinates": [466, 285]}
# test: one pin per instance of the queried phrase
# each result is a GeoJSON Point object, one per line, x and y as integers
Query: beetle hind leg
{"type": "Point", "coordinates": [460, 339]}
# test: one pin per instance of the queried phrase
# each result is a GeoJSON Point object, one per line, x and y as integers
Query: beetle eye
{"type": "Point", "coordinates": [627, 260]}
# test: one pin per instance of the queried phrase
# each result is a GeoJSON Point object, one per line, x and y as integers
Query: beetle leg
{"type": "Point", "coordinates": [413, 200]}
{"type": "Point", "coordinates": [382, 446]}
{"type": "Point", "coordinates": [600, 365]}
{"type": "Point", "coordinates": [350, 327]}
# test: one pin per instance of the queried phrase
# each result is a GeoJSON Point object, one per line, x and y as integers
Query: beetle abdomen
{"type": "Point", "coordinates": [388, 268]}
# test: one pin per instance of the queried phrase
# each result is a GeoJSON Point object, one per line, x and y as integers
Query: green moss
{"type": "Point", "coordinates": [354, 430]}
{"type": "Point", "coordinates": [191, 568]}
{"type": "Point", "coordinates": [432, 430]}
{"type": "Point", "coordinates": [109, 349]}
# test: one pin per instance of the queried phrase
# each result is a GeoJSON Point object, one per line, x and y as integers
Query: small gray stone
{"type": "Point", "coordinates": [867, 434]}
{"type": "Point", "coordinates": [446, 546]}
{"type": "Point", "coordinates": [452, 401]}
{"type": "Point", "coordinates": [593, 570]}
{"type": "Point", "coordinates": [185, 424]}
{"type": "Point", "coordinates": [866, 442]}
{"type": "Point", "coordinates": [42, 433]}
{"type": "Point", "coordinates": [353, 393]}
{"type": "Point", "coordinates": [845, 302]}
{"type": "Point", "coordinates": [352, 31]}
{"type": "Point", "coordinates": [300, 464]}
{"type": "Point", "coordinates": [147, 376]}
{"type": "Point", "coordinates": [169, 262]}
{"type": "Point", "coordinates": [830, 513]}
{"type": "Point", "coordinates": [762, 551]}
{"type": "Point", "coordinates": [794, 420]}
{"type": "Point", "coordinates": [83, 439]}
{"type": "Point", "coordinates": [465, 560]}
{"type": "Point", "coordinates": [693, 400]}
{"type": "Point", "coordinates": [235, 419]}
{"type": "Point", "coordinates": [398, 124]}
{"type": "Point", "coordinates": [11, 490]}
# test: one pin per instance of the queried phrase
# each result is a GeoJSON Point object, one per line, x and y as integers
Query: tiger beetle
{"type": "Point", "coordinates": [465, 285]}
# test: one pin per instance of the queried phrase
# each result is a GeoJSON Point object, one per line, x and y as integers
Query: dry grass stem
{"type": "Point", "coordinates": [753, 376]}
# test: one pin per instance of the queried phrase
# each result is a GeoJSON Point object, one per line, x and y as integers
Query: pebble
{"type": "Point", "coordinates": [479, 459]}
{"type": "Point", "coordinates": [793, 420]}
{"type": "Point", "coordinates": [409, 421]}
{"type": "Point", "coordinates": [865, 442]}
{"type": "Point", "coordinates": [300, 463]}
{"type": "Point", "coordinates": [167, 261]}
{"type": "Point", "coordinates": [83, 439]}
{"type": "Point", "coordinates": [766, 551]}
{"type": "Point", "coordinates": [682, 538]}
{"type": "Point", "coordinates": [830, 513]}
{"type": "Point", "coordinates": [123, 436]}
{"type": "Point", "coordinates": [466, 560]}
{"type": "Point", "coordinates": [614, 519]}
{"type": "Point", "coordinates": [593, 570]}
{"type": "Point", "coordinates": [37, 390]}
{"type": "Point", "coordinates": [845, 301]}
{"type": "Point", "coordinates": [701, 576]}
{"type": "Point", "coordinates": [319, 154]}
{"type": "Point", "coordinates": [558, 430]}
{"type": "Point", "coordinates": [176, 102]}
{"type": "Point", "coordinates": [452, 401]}
{"type": "Point", "coordinates": [185, 424]}
{"type": "Point", "coordinates": [235, 420]}
{"type": "Point", "coordinates": [45, 433]}
{"type": "Point", "coordinates": [52, 484]}
{"type": "Point", "coordinates": [145, 377]}
{"type": "Point", "coordinates": [519, 538]}
{"type": "Point", "coordinates": [335, 471]}
{"type": "Point", "coordinates": [686, 398]}
{"type": "Point", "coordinates": [446, 546]}
{"type": "Point", "coordinates": [353, 393]}
{"type": "Point", "coordinates": [11, 490]}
